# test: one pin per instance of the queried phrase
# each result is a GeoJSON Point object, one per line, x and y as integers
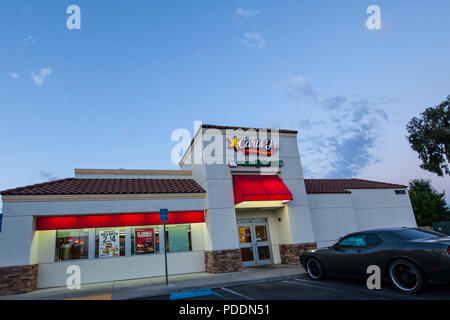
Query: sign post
{"type": "Point", "coordinates": [164, 216]}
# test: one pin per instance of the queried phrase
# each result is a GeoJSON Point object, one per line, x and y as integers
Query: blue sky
{"type": "Point", "coordinates": [110, 95]}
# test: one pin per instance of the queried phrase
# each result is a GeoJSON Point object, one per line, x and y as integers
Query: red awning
{"type": "Point", "coordinates": [259, 188]}
{"type": "Point", "coordinates": [115, 220]}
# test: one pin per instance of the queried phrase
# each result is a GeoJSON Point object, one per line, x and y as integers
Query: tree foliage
{"type": "Point", "coordinates": [428, 204]}
{"type": "Point", "coordinates": [429, 135]}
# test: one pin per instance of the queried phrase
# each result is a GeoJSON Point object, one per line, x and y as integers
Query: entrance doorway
{"type": "Point", "coordinates": [254, 242]}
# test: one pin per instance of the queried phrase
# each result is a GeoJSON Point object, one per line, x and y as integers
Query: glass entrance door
{"type": "Point", "coordinates": [246, 245]}
{"type": "Point", "coordinates": [254, 243]}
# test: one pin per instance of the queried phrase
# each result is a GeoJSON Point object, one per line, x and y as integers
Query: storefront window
{"type": "Point", "coordinates": [144, 240]}
{"type": "Point", "coordinates": [72, 245]}
{"type": "Point", "coordinates": [121, 241]}
{"type": "Point", "coordinates": [109, 242]}
{"type": "Point", "coordinates": [178, 238]}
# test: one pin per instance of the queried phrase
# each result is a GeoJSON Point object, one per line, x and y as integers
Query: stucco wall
{"type": "Point", "coordinates": [335, 215]}
{"type": "Point", "coordinates": [332, 217]}
{"type": "Point", "coordinates": [121, 268]}
{"type": "Point", "coordinates": [16, 239]}
{"type": "Point", "coordinates": [382, 208]}
{"type": "Point", "coordinates": [98, 207]}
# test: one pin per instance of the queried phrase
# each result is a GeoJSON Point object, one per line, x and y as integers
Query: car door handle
{"type": "Point", "coordinates": [358, 251]}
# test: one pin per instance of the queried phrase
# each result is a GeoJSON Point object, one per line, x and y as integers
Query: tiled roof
{"type": "Point", "coordinates": [342, 185]}
{"type": "Point", "coordinates": [211, 126]}
{"type": "Point", "coordinates": [154, 186]}
{"type": "Point", "coordinates": [108, 186]}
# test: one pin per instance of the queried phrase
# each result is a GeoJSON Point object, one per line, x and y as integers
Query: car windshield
{"type": "Point", "coordinates": [412, 234]}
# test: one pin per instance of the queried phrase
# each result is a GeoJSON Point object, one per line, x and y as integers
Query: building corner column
{"type": "Point", "coordinates": [221, 261]}
{"type": "Point", "coordinates": [18, 279]}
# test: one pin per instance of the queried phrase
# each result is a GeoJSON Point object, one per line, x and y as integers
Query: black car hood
{"type": "Point", "coordinates": [322, 249]}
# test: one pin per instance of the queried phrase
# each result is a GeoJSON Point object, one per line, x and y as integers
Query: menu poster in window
{"type": "Point", "coordinates": [144, 240]}
{"type": "Point", "coordinates": [109, 243]}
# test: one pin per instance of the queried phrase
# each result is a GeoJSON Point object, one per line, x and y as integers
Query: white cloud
{"type": "Point", "coordinates": [246, 13]}
{"type": "Point", "coordinates": [297, 86]}
{"type": "Point", "coordinates": [29, 40]}
{"type": "Point", "coordinates": [14, 75]}
{"type": "Point", "coordinates": [40, 78]}
{"type": "Point", "coordinates": [254, 40]}
{"type": "Point", "coordinates": [349, 135]}
{"type": "Point", "coordinates": [47, 175]}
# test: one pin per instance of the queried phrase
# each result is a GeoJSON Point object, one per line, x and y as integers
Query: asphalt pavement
{"type": "Point", "coordinates": [137, 288]}
{"type": "Point", "coordinates": [304, 288]}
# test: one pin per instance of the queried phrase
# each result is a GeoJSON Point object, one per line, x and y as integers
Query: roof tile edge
{"type": "Point", "coordinates": [132, 172]}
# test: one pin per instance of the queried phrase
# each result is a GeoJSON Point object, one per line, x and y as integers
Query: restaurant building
{"type": "Point", "coordinates": [252, 207]}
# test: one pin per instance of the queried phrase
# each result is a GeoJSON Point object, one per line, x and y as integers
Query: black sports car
{"type": "Point", "coordinates": [408, 257]}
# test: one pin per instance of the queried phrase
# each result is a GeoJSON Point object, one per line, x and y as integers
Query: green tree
{"type": "Point", "coordinates": [429, 135]}
{"type": "Point", "coordinates": [428, 204]}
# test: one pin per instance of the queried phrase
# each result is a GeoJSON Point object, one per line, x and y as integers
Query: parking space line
{"type": "Point", "coordinates": [219, 295]}
{"type": "Point", "coordinates": [375, 292]}
{"type": "Point", "coordinates": [237, 294]}
{"type": "Point", "coordinates": [324, 288]}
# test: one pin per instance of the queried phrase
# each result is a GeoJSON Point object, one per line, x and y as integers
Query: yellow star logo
{"type": "Point", "coordinates": [233, 143]}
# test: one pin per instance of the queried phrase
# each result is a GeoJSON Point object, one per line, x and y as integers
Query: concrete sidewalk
{"type": "Point", "coordinates": [148, 287]}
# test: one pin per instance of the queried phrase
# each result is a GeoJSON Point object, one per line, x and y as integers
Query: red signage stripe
{"type": "Point", "coordinates": [115, 220]}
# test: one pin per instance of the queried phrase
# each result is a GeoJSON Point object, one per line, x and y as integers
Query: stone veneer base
{"type": "Point", "coordinates": [18, 279]}
{"type": "Point", "coordinates": [289, 253]}
{"type": "Point", "coordinates": [221, 261]}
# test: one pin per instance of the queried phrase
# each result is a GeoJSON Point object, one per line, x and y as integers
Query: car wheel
{"type": "Point", "coordinates": [406, 276]}
{"type": "Point", "coordinates": [314, 269]}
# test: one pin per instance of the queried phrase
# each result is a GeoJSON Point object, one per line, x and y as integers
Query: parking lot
{"type": "Point", "coordinates": [307, 289]}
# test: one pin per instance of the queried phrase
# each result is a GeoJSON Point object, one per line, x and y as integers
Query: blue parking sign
{"type": "Point", "coordinates": [164, 214]}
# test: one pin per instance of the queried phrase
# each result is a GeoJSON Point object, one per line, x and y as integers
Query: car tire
{"type": "Point", "coordinates": [406, 276]}
{"type": "Point", "coordinates": [314, 269]}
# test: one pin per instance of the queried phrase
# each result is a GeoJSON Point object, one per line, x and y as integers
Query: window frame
{"type": "Point", "coordinates": [166, 240]}
{"type": "Point", "coordinates": [92, 243]}
{"type": "Point", "coordinates": [338, 245]}
{"type": "Point", "coordinates": [88, 244]}
{"type": "Point", "coordinates": [157, 229]}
